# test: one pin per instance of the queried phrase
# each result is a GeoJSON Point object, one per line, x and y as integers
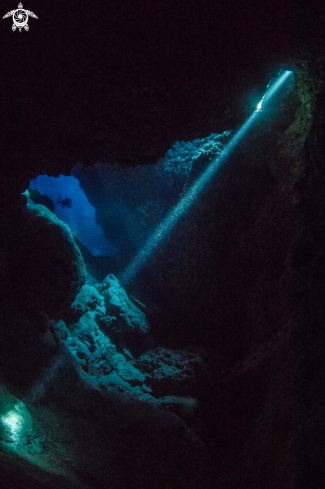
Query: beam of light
{"type": "Point", "coordinates": [187, 200]}
{"type": "Point", "coordinates": [259, 105]}
{"type": "Point", "coordinates": [183, 205]}
{"type": "Point", "coordinates": [272, 88]}
{"type": "Point", "coordinates": [49, 375]}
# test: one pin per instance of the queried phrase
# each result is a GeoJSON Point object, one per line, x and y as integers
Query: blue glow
{"type": "Point", "coordinates": [72, 207]}
{"type": "Point", "coordinates": [272, 88]}
{"type": "Point", "coordinates": [169, 222]}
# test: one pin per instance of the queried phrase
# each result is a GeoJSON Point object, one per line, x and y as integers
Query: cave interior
{"type": "Point", "coordinates": [162, 249]}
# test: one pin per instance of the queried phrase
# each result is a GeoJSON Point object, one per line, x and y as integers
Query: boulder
{"type": "Point", "coordinates": [86, 300]}
{"type": "Point", "coordinates": [91, 347]}
{"type": "Point", "coordinates": [128, 372]}
{"type": "Point", "coordinates": [129, 320]}
{"type": "Point", "coordinates": [59, 270]}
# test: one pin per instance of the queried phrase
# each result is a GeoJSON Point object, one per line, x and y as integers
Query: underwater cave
{"type": "Point", "coordinates": [162, 298]}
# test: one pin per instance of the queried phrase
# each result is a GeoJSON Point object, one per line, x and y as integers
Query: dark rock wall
{"type": "Point", "coordinates": [242, 224]}
{"type": "Point", "coordinates": [274, 426]}
{"type": "Point", "coordinates": [109, 82]}
{"type": "Point", "coordinates": [42, 271]}
{"type": "Point", "coordinates": [308, 255]}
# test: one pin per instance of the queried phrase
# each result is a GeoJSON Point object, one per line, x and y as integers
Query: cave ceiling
{"type": "Point", "coordinates": [122, 81]}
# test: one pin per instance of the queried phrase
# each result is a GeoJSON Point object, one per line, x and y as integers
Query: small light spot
{"type": "Point", "coordinates": [13, 423]}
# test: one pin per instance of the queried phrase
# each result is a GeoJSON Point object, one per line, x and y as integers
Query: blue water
{"type": "Point", "coordinates": [80, 217]}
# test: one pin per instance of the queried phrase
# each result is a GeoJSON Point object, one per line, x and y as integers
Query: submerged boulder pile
{"type": "Point", "coordinates": [104, 320]}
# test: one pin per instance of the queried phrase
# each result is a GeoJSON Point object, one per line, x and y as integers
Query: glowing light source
{"type": "Point", "coordinates": [259, 106]}
{"type": "Point", "coordinates": [272, 88]}
{"type": "Point", "coordinates": [14, 423]}
{"type": "Point", "coordinates": [179, 210]}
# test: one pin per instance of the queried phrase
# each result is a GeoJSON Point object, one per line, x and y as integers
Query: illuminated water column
{"type": "Point", "coordinates": [184, 204]}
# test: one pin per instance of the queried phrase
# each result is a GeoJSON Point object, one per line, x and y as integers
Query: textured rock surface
{"type": "Point", "coordinates": [171, 372]}
{"type": "Point", "coordinates": [87, 299]}
{"type": "Point", "coordinates": [95, 352]}
{"type": "Point", "coordinates": [128, 372]}
{"type": "Point", "coordinates": [128, 319]}
{"type": "Point", "coordinates": [180, 158]}
{"type": "Point", "coordinates": [156, 373]}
